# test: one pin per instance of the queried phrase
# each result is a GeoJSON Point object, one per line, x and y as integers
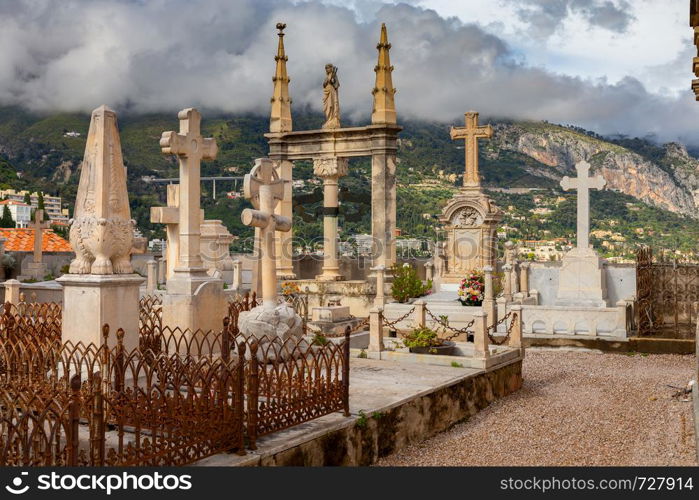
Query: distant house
{"type": "Point", "coordinates": [21, 212]}
{"type": "Point", "coordinates": [22, 240]}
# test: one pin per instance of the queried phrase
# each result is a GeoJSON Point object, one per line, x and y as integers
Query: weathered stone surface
{"type": "Point", "coordinates": [267, 324]}
{"type": "Point", "coordinates": [101, 232]}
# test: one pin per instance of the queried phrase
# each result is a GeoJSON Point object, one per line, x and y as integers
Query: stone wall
{"type": "Point", "coordinates": [621, 281]}
{"type": "Point", "coordinates": [364, 440]}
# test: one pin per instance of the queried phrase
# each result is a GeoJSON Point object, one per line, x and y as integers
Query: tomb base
{"type": "Point", "coordinates": [92, 300]}
{"type": "Point", "coordinates": [194, 301]}
{"type": "Point", "coordinates": [581, 280]}
{"type": "Point", "coordinates": [332, 321]}
{"type": "Point", "coordinates": [34, 270]}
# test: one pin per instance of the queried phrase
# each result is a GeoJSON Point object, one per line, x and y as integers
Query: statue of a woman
{"type": "Point", "coordinates": [331, 98]}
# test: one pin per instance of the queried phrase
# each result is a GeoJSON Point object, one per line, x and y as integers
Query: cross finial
{"type": "Point", "coordinates": [583, 183]}
{"type": "Point", "coordinates": [39, 226]}
{"type": "Point", "coordinates": [191, 148]}
{"type": "Point", "coordinates": [471, 133]}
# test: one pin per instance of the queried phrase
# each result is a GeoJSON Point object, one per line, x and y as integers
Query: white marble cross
{"type": "Point", "coordinates": [190, 148]}
{"type": "Point", "coordinates": [471, 133]}
{"type": "Point", "coordinates": [264, 188]}
{"type": "Point", "coordinates": [39, 226]}
{"type": "Point", "coordinates": [583, 183]}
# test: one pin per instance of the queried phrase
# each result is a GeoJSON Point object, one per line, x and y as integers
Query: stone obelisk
{"type": "Point", "coordinates": [101, 287]}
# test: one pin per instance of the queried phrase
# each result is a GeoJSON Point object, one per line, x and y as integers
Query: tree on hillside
{"type": "Point", "coordinates": [6, 220]}
{"type": "Point", "coordinates": [27, 198]}
{"type": "Point", "coordinates": [41, 201]}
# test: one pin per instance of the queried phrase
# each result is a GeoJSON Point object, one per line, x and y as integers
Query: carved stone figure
{"type": "Point", "coordinates": [331, 97]}
{"type": "Point", "coordinates": [101, 231]}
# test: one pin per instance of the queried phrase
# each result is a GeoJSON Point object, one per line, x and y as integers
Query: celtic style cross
{"type": "Point", "coordinates": [264, 188]}
{"type": "Point", "coordinates": [471, 133]}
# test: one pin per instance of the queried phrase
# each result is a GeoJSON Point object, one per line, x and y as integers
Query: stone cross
{"type": "Point", "coordinates": [471, 133]}
{"type": "Point", "coordinates": [39, 226]}
{"type": "Point", "coordinates": [264, 188]}
{"type": "Point", "coordinates": [190, 148]}
{"type": "Point", "coordinates": [583, 183]}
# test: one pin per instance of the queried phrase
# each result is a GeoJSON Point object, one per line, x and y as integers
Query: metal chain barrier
{"type": "Point", "coordinates": [457, 331]}
{"type": "Point", "coordinates": [494, 327]}
{"type": "Point", "coordinates": [391, 324]}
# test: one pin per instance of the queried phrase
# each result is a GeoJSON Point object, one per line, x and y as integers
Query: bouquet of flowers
{"type": "Point", "coordinates": [290, 288]}
{"type": "Point", "coordinates": [472, 288]}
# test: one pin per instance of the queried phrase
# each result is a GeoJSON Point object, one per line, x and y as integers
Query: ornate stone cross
{"type": "Point", "coordinates": [190, 148]}
{"type": "Point", "coordinates": [583, 183]}
{"type": "Point", "coordinates": [264, 188]}
{"type": "Point", "coordinates": [471, 133]}
{"type": "Point", "coordinates": [39, 226]}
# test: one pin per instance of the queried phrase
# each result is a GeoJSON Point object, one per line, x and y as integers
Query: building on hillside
{"type": "Point", "coordinates": [408, 245]}
{"type": "Point", "coordinates": [52, 204]}
{"type": "Point", "coordinates": [21, 212]}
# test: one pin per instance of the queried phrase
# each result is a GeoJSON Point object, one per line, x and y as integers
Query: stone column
{"type": "Point", "coordinates": [380, 299]}
{"type": "Point", "coordinates": [330, 169]}
{"type": "Point", "coordinates": [516, 334]}
{"type": "Point", "coordinates": [489, 298]}
{"type": "Point", "coordinates": [162, 270]}
{"type": "Point", "coordinates": [12, 291]}
{"type": "Point", "coordinates": [480, 335]}
{"type": "Point", "coordinates": [429, 270]}
{"type": "Point", "coordinates": [501, 307]}
{"type": "Point", "coordinates": [383, 207]}
{"type": "Point", "coordinates": [376, 330]}
{"type": "Point", "coordinates": [152, 276]}
{"type": "Point", "coordinates": [237, 274]}
{"type": "Point", "coordinates": [507, 282]}
{"type": "Point", "coordinates": [524, 278]}
{"type": "Point", "coordinates": [420, 313]}
{"type": "Point", "coordinates": [284, 240]}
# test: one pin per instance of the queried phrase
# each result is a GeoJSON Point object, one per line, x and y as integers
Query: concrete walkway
{"type": "Point", "coordinates": [576, 408]}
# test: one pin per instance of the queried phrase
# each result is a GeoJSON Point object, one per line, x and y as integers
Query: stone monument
{"type": "Point", "coordinates": [101, 286]}
{"type": "Point", "coordinates": [581, 280]}
{"type": "Point", "coordinates": [194, 300]}
{"type": "Point", "coordinates": [36, 268]}
{"type": "Point", "coordinates": [216, 249]}
{"type": "Point", "coordinates": [273, 320]}
{"type": "Point", "coordinates": [470, 217]}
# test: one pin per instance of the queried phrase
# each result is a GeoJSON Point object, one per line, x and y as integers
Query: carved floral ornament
{"type": "Point", "coordinates": [331, 166]}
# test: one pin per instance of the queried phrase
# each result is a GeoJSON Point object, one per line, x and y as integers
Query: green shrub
{"type": "Point", "coordinates": [406, 283]}
{"type": "Point", "coordinates": [422, 337]}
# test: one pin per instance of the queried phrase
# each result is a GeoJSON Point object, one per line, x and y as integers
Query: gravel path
{"type": "Point", "coordinates": [576, 408]}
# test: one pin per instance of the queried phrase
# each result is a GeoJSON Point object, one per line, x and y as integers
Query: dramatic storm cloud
{"type": "Point", "coordinates": [163, 55]}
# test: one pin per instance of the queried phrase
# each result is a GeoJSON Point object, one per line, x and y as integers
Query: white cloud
{"type": "Point", "coordinates": [169, 54]}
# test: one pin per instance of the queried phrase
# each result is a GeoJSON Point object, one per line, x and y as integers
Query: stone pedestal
{"type": "Point", "coordinates": [90, 301]}
{"type": "Point", "coordinates": [581, 280]}
{"type": "Point", "coordinates": [194, 302]}
{"type": "Point", "coordinates": [34, 270]}
{"type": "Point", "coordinates": [471, 221]}
{"type": "Point", "coordinates": [331, 320]}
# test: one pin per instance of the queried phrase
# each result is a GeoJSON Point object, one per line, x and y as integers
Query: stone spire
{"type": "Point", "coordinates": [280, 118]}
{"type": "Point", "coordinates": [384, 111]}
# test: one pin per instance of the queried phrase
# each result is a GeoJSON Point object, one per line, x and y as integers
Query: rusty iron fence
{"type": "Point", "coordinates": [178, 397]}
{"type": "Point", "coordinates": [666, 293]}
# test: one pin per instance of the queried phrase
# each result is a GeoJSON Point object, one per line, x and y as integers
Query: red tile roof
{"type": "Point", "coordinates": [13, 202]}
{"type": "Point", "coordinates": [22, 240]}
